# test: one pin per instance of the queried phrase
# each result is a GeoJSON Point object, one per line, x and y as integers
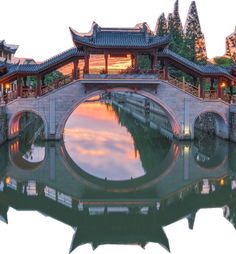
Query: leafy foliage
{"type": "Point", "coordinates": [223, 61]}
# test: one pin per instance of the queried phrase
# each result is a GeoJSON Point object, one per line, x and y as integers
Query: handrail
{"type": "Point", "coordinates": [185, 86]}
{"type": "Point", "coordinates": [56, 84]}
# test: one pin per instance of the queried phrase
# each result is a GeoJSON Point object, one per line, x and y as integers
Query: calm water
{"type": "Point", "coordinates": [119, 176]}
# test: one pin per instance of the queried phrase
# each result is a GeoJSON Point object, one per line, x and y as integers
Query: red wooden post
{"type": "Point", "coordinates": [154, 61]}
{"type": "Point", "coordinates": [18, 89]}
{"type": "Point", "coordinates": [75, 72]}
{"type": "Point", "coordinates": [165, 71]}
{"type": "Point", "coordinates": [201, 92]}
{"type": "Point", "coordinates": [106, 62]}
{"type": "Point", "coordinates": [135, 61]}
{"type": "Point", "coordinates": [86, 63]}
{"type": "Point", "coordinates": [39, 86]}
{"type": "Point", "coordinates": [219, 89]}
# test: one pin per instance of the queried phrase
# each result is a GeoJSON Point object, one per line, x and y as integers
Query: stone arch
{"type": "Point", "coordinates": [13, 124]}
{"type": "Point", "coordinates": [176, 129]}
{"type": "Point", "coordinates": [221, 122]}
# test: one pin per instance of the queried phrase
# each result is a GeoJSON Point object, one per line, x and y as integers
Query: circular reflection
{"type": "Point", "coordinates": [27, 151]}
{"type": "Point", "coordinates": [109, 143]}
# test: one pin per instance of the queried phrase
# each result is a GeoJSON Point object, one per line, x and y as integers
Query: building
{"type": "Point", "coordinates": [7, 51]}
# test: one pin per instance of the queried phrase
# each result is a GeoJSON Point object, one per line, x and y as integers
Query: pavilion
{"type": "Point", "coordinates": [110, 45]}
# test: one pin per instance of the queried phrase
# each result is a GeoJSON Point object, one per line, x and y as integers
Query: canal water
{"type": "Point", "coordinates": [118, 177]}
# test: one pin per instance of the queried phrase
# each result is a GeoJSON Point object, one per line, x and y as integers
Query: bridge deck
{"type": "Point", "coordinates": [135, 84]}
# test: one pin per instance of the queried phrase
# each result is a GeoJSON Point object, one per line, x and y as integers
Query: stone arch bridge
{"type": "Point", "coordinates": [182, 107]}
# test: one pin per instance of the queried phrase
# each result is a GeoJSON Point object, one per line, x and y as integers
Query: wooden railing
{"type": "Point", "coordinates": [56, 84]}
{"type": "Point", "coordinates": [121, 74]}
{"type": "Point", "coordinates": [9, 96]}
{"type": "Point", "coordinates": [185, 86]}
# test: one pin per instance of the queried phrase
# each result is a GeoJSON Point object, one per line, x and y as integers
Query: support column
{"type": "Point", "coordinates": [154, 61]}
{"type": "Point", "coordinates": [135, 61]}
{"type": "Point", "coordinates": [25, 94]}
{"type": "Point", "coordinates": [165, 71]}
{"type": "Point", "coordinates": [201, 89]}
{"type": "Point", "coordinates": [194, 81]}
{"type": "Point", "coordinates": [132, 61]}
{"type": "Point", "coordinates": [106, 63]}
{"type": "Point", "coordinates": [75, 69]}
{"type": "Point", "coordinates": [219, 89]}
{"type": "Point", "coordinates": [86, 63]}
{"type": "Point", "coordinates": [39, 86]}
{"type": "Point", "coordinates": [18, 90]}
{"type": "Point", "coordinates": [231, 87]}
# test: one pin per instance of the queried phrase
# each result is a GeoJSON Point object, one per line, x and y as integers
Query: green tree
{"type": "Point", "coordinates": [175, 29]}
{"type": "Point", "coordinates": [194, 38]}
{"type": "Point", "coordinates": [223, 61]}
{"type": "Point", "coordinates": [161, 26]}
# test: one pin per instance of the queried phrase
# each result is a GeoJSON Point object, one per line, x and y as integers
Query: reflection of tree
{"type": "Point", "coordinates": [151, 145]}
{"type": "Point", "coordinates": [209, 150]}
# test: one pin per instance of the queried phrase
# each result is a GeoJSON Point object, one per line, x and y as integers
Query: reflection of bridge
{"type": "Point", "coordinates": [182, 168]}
{"type": "Point", "coordinates": [60, 191]}
{"type": "Point", "coordinates": [56, 99]}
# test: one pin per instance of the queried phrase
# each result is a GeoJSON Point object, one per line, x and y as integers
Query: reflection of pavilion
{"type": "Point", "coordinates": [119, 220]}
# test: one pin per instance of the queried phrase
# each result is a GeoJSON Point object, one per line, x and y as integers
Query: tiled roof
{"type": "Point", "coordinates": [202, 69]}
{"type": "Point", "coordinates": [36, 68]}
{"type": "Point", "coordinates": [140, 36]}
{"type": "Point", "coordinates": [11, 48]}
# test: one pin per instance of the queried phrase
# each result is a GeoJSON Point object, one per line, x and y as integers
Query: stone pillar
{"type": "Point", "coordinates": [106, 62]}
{"type": "Point", "coordinates": [75, 69]}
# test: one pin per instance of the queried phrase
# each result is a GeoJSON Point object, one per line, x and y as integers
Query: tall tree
{"type": "Point", "coordinates": [194, 38]}
{"type": "Point", "coordinates": [161, 26]}
{"type": "Point", "coordinates": [176, 18]}
{"type": "Point", "coordinates": [175, 29]}
{"type": "Point", "coordinates": [231, 46]}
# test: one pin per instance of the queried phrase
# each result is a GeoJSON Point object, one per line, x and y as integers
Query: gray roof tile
{"type": "Point", "coordinates": [36, 68]}
{"type": "Point", "coordinates": [203, 69]}
{"type": "Point", "coordinates": [119, 37]}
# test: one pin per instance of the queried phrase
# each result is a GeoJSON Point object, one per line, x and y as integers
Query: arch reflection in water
{"type": "Point", "coordinates": [27, 149]}
{"type": "Point", "coordinates": [114, 141]}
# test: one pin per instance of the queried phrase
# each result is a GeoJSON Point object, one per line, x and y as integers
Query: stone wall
{"type": "Point", "coordinates": [3, 124]}
{"type": "Point", "coordinates": [182, 108]}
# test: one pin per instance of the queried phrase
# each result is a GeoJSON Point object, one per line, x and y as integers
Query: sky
{"type": "Point", "coordinates": [41, 28]}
